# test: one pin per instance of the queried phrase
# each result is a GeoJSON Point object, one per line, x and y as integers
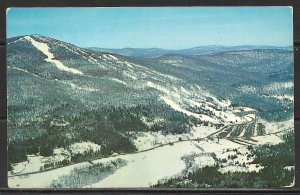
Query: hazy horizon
{"type": "Point", "coordinates": [156, 27]}
{"type": "Point", "coordinates": [99, 47]}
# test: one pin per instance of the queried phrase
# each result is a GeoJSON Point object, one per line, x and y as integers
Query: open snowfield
{"type": "Point", "coordinates": [147, 140]}
{"type": "Point", "coordinates": [143, 168]}
{"type": "Point", "coordinates": [272, 127]}
{"type": "Point", "coordinates": [36, 163]}
{"type": "Point", "coordinates": [147, 167]}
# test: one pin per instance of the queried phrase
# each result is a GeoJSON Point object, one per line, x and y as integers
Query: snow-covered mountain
{"type": "Point", "coordinates": [84, 74]}
{"type": "Point", "coordinates": [68, 104]}
{"type": "Point", "coordinates": [201, 50]}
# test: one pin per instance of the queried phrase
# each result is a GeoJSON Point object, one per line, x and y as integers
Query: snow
{"type": "Point", "coordinates": [283, 97]}
{"type": "Point", "coordinates": [35, 162]}
{"type": "Point", "coordinates": [273, 90]}
{"type": "Point", "coordinates": [202, 131]}
{"type": "Point", "coordinates": [242, 163]}
{"type": "Point", "coordinates": [236, 168]}
{"type": "Point", "coordinates": [203, 161]}
{"type": "Point", "coordinates": [119, 81]}
{"type": "Point", "coordinates": [84, 55]}
{"type": "Point", "coordinates": [90, 58]}
{"type": "Point", "coordinates": [172, 62]}
{"type": "Point", "coordinates": [233, 168]}
{"type": "Point", "coordinates": [73, 86]}
{"type": "Point", "coordinates": [254, 167]}
{"type": "Point", "coordinates": [193, 103]}
{"type": "Point", "coordinates": [60, 154]}
{"type": "Point", "coordinates": [20, 39]}
{"type": "Point", "coordinates": [166, 161]}
{"type": "Point", "coordinates": [177, 97]}
{"type": "Point", "coordinates": [248, 89]}
{"type": "Point", "coordinates": [160, 88]}
{"type": "Point", "coordinates": [60, 151]}
{"type": "Point", "coordinates": [110, 57]}
{"type": "Point", "coordinates": [278, 85]}
{"type": "Point", "coordinates": [151, 122]}
{"type": "Point", "coordinates": [44, 48]}
{"type": "Point", "coordinates": [147, 168]}
{"type": "Point", "coordinates": [42, 179]}
{"type": "Point", "coordinates": [32, 164]}
{"type": "Point", "coordinates": [249, 117]}
{"type": "Point", "coordinates": [215, 146]}
{"type": "Point", "coordinates": [128, 64]}
{"type": "Point", "coordinates": [147, 140]}
{"type": "Point", "coordinates": [79, 148]}
{"type": "Point", "coordinates": [163, 75]}
{"type": "Point", "coordinates": [60, 123]}
{"type": "Point", "coordinates": [247, 109]}
{"type": "Point", "coordinates": [23, 70]}
{"type": "Point", "coordinates": [154, 74]}
{"type": "Point", "coordinates": [221, 103]}
{"type": "Point", "coordinates": [227, 116]}
{"type": "Point", "coordinates": [76, 50]}
{"type": "Point", "coordinates": [272, 127]}
{"type": "Point", "coordinates": [185, 91]}
{"type": "Point", "coordinates": [143, 168]}
{"type": "Point", "coordinates": [268, 139]}
{"type": "Point", "coordinates": [176, 107]}
{"type": "Point", "coordinates": [289, 168]}
{"type": "Point", "coordinates": [130, 75]}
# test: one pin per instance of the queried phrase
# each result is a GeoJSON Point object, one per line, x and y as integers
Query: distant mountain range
{"type": "Point", "coordinates": [201, 50]}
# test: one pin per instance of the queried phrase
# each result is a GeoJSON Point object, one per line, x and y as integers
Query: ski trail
{"type": "Point", "coordinates": [178, 108]}
{"type": "Point", "coordinates": [44, 48]}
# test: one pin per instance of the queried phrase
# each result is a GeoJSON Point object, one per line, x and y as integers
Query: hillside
{"type": "Point", "coordinates": [68, 104]}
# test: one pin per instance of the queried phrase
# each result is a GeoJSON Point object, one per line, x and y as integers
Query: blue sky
{"type": "Point", "coordinates": [164, 27]}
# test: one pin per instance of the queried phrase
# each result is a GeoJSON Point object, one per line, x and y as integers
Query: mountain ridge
{"type": "Point", "coordinates": [157, 52]}
{"type": "Point", "coordinates": [199, 50]}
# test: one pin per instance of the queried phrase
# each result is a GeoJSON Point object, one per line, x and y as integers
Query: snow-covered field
{"type": "Point", "coordinates": [79, 148]}
{"type": "Point", "coordinates": [147, 140]}
{"type": "Point", "coordinates": [36, 162]}
{"type": "Point", "coordinates": [147, 167]}
{"type": "Point", "coordinates": [272, 127]}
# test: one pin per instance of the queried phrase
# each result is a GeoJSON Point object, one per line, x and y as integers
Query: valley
{"type": "Point", "coordinates": [147, 166]}
{"type": "Point", "coordinates": [113, 120]}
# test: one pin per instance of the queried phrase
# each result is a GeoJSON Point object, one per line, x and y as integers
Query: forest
{"type": "Point", "coordinates": [107, 127]}
{"type": "Point", "coordinates": [274, 158]}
